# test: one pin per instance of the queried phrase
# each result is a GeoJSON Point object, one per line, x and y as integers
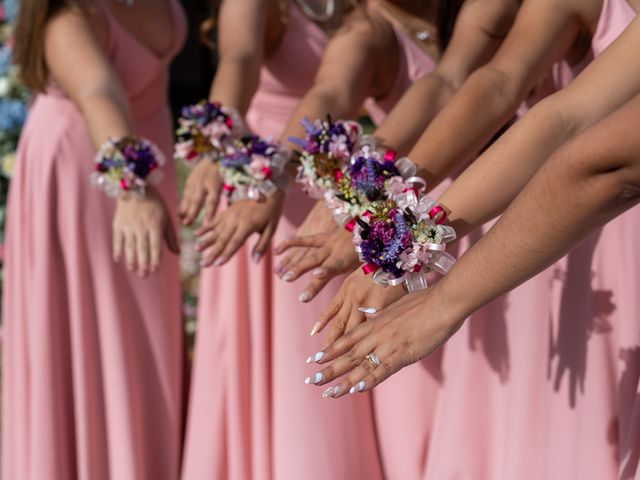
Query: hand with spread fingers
{"type": "Point", "coordinates": [140, 226]}
{"type": "Point", "coordinates": [394, 338]}
{"type": "Point", "coordinates": [220, 239]}
{"type": "Point", "coordinates": [358, 295]}
{"type": "Point", "coordinates": [202, 189]}
{"type": "Point", "coordinates": [327, 255]}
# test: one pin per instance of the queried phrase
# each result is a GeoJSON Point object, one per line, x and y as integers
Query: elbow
{"type": "Point", "coordinates": [449, 84]}
{"type": "Point", "coordinates": [498, 86]}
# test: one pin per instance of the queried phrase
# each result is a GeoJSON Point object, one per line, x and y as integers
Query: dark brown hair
{"type": "Point", "coordinates": [28, 52]}
{"type": "Point", "coordinates": [447, 15]}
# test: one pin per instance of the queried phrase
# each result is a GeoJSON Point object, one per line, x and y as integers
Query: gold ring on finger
{"type": "Point", "coordinates": [374, 359]}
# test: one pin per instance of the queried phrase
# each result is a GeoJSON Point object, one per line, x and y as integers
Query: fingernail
{"type": "Point", "coordinates": [369, 310]}
{"type": "Point", "coordinates": [361, 386]}
{"type": "Point", "coordinates": [315, 328]}
{"type": "Point", "coordinates": [278, 270]}
{"type": "Point", "coordinates": [352, 389]}
{"type": "Point", "coordinates": [337, 390]}
{"type": "Point", "coordinates": [288, 276]}
{"type": "Point", "coordinates": [319, 272]}
{"type": "Point", "coordinates": [318, 356]}
{"type": "Point", "coordinates": [256, 258]}
{"type": "Point", "coordinates": [218, 262]}
{"type": "Point", "coordinates": [310, 359]}
{"type": "Point", "coordinates": [318, 378]}
{"type": "Point", "coordinates": [328, 393]}
{"type": "Point", "coordinates": [307, 380]}
{"type": "Point", "coordinates": [304, 297]}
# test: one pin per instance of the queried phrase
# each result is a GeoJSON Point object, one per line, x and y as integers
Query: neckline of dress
{"type": "Point", "coordinates": [161, 57]}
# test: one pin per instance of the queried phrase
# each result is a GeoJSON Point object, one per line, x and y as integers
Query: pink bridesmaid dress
{"type": "Point", "coordinates": [93, 356]}
{"type": "Point", "coordinates": [543, 383]}
{"type": "Point", "coordinates": [251, 417]}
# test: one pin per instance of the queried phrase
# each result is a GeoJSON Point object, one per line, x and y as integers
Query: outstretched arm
{"type": "Point", "coordinates": [242, 36]}
{"type": "Point", "coordinates": [349, 72]}
{"type": "Point", "coordinates": [587, 183]}
{"type": "Point", "coordinates": [544, 32]}
{"type": "Point", "coordinates": [487, 187]}
{"type": "Point", "coordinates": [480, 29]}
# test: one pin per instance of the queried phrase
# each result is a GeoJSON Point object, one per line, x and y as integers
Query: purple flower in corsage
{"type": "Point", "coordinates": [325, 152]}
{"type": "Point", "coordinates": [398, 242]}
{"type": "Point", "coordinates": [251, 167]}
{"type": "Point", "coordinates": [127, 164]}
{"type": "Point", "coordinates": [202, 129]}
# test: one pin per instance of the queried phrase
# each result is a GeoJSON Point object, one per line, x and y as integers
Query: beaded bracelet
{"type": "Point", "coordinates": [127, 164]}
{"type": "Point", "coordinates": [252, 168]}
{"type": "Point", "coordinates": [202, 128]}
{"type": "Point", "coordinates": [325, 152]}
{"type": "Point", "coordinates": [399, 242]}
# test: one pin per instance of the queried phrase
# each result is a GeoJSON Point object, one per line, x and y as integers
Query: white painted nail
{"type": "Point", "coordinates": [318, 378]}
{"type": "Point", "coordinates": [257, 257]}
{"type": "Point", "coordinates": [336, 391]}
{"type": "Point", "coordinates": [352, 389]}
{"type": "Point", "coordinates": [288, 276]}
{"type": "Point", "coordinates": [316, 327]}
{"type": "Point", "coordinates": [310, 359]}
{"type": "Point", "coordinates": [369, 310]}
{"type": "Point", "coordinates": [307, 380]}
{"type": "Point", "coordinates": [361, 386]}
{"type": "Point", "coordinates": [304, 297]}
{"type": "Point", "coordinates": [327, 393]}
{"type": "Point", "coordinates": [318, 356]}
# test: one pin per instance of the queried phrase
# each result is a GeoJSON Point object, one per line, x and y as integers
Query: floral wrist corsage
{"type": "Point", "coordinates": [252, 168]}
{"type": "Point", "coordinates": [371, 176]}
{"type": "Point", "coordinates": [202, 129]}
{"type": "Point", "coordinates": [325, 152]}
{"type": "Point", "coordinates": [401, 240]}
{"type": "Point", "coordinates": [127, 164]}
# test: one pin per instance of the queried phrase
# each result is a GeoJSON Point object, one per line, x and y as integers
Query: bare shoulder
{"type": "Point", "coordinates": [68, 23]}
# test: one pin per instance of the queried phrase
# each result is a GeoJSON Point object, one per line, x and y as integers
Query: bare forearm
{"type": "Point", "coordinates": [414, 112]}
{"type": "Point", "coordinates": [466, 124]}
{"type": "Point", "coordinates": [236, 82]}
{"type": "Point", "coordinates": [107, 115]}
{"type": "Point", "coordinates": [586, 184]}
{"type": "Point", "coordinates": [490, 184]}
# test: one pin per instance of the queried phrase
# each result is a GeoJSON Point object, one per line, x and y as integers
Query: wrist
{"type": "Point", "coordinates": [127, 166]}
{"type": "Point", "coordinates": [202, 130]}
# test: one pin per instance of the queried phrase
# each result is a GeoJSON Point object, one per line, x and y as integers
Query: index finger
{"type": "Point", "coordinates": [305, 241]}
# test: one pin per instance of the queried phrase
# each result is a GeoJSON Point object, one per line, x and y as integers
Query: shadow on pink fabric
{"type": "Point", "coordinates": [543, 383]}
{"type": "Point", "coordinates": [93, 357]}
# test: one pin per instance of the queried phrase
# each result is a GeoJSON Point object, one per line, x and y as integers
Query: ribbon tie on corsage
{"type": "Point", "coordinates": [399, 241]}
